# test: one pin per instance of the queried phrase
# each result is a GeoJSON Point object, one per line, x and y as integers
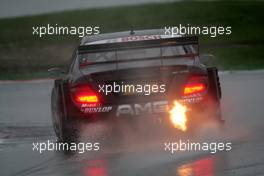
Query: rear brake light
{"type": "Point", "coordinates": [84, 94]}
{"type": "Point", "coordinates": [87, 99]}
{"type": "Point", "coordinates": [194, 88]}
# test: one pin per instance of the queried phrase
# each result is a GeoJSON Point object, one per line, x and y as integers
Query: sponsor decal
{"type": "Point", "coordinates": [140, 37]}
{"type": "Point", "coordinates": [139, 108]}
{"type": "Point", "coordinates": [96, 109]}
{"type": "Point", "coordinates": [146, 108]}
{"type": "Point", "coordinates": [131, 38]}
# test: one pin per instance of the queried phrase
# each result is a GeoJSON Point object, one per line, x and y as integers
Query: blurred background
{"type": "Point", "coordinates": [27, 56]}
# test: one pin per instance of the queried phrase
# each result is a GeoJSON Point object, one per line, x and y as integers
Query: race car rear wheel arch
{"type": "Point", "coordinates": [214, 92]}
{"type": "Point", "coordinates": [54, 110]}
{"type": "Point", "coordinates": [214, 83]}
{"type": "Point", "coordinates": [68, 126]}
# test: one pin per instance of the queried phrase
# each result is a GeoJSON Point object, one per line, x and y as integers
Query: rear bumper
{"type": "Point", "coordinates": [159, 110]}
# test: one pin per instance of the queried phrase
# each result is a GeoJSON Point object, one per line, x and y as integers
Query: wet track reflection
{"type": "Point", "coordinates": [96, 168]}
{"type": "Point", "coordinates": [28, 122]}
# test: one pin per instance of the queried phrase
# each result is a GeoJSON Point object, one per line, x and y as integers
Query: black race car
{"type": "Point", "coordinates": [131, 75]}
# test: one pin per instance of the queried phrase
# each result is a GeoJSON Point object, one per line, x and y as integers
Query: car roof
{"type": "Point", "coordinates": [108, 36]}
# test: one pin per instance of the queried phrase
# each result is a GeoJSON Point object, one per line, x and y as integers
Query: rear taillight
{"type": "Point", "coordinates": [197, 84]}
{"type": "Point", "coordinates": [83, 94]}
{"type": "Point", "coordinates": [87, 99]}
{"type": "Point", "coordinates": [194, 88]}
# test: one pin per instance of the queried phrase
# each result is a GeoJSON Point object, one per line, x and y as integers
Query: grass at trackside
{"type": "Point", "coordinates": [244, 17]}
{"type": "Point", "coordinates": [241, 50]}
{"type": "Point", "coordinates": [243, 57]}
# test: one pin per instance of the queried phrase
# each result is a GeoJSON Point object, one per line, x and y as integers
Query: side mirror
{"type": "Point", "coordinates": [207, 58]}
{"type": "Point", "coordinates": [56, 71]}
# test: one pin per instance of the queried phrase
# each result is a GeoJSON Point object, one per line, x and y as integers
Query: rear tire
{"type": "Point", "coordinates": [69, 132]}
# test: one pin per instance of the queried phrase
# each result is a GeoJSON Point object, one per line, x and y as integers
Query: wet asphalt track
{"type": "Point", "coordinates": [25, 118]}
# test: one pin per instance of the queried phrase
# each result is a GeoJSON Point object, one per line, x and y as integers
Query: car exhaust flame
{"type": "Point", "coordinates": [178, 116]}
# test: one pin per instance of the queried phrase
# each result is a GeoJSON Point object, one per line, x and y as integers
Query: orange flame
{"type": "Point", "coordinates": [178, 116]}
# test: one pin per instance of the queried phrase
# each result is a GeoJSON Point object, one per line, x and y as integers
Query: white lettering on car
{"type": "Point", "coordinates": [137, 109]}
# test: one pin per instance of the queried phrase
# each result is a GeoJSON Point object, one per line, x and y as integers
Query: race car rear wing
{"type": "Point", "coordinates": [163, 42]}
{"type": "Point", "coordinates": [192, 40]}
